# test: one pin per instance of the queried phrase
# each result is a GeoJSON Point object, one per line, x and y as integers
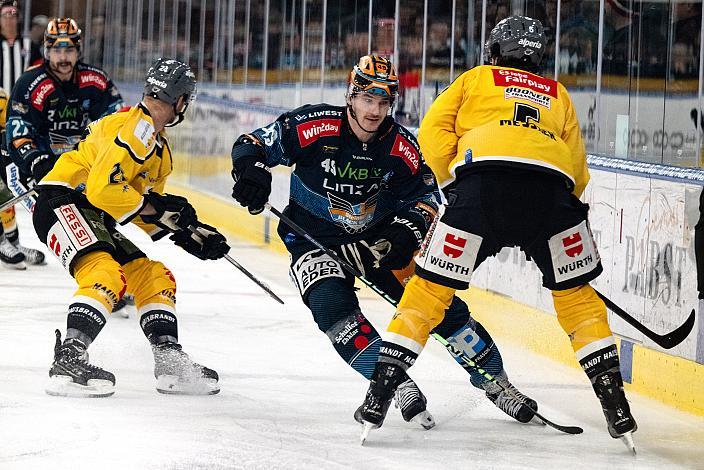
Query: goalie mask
{"type": "Point", "coordinates": [168, 80]}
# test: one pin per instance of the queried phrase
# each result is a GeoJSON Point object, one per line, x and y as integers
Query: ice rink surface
{"type": "Point", "coordinates": [287, 399]}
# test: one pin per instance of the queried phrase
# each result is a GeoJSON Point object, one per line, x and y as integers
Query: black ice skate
{"type": "Point", "coordinates": [381, 390]}
{"type": "Point", "coordinates": [10, 256]}
{"type": "Point", "coordinates": [72, 376]}
{"type": "Point", "coordinates": [509, 400]}
{"type": "Point", "coordinates": [32, 256]}
{"type": "Point", "coordinates": [412, 403]}
{"type": "Point", "coordinates": [177, 374]}
{"type": "Point", "coordinates": [619, 421]}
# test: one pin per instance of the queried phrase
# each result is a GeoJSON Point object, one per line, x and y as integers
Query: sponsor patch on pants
{"type": "Point", "coordinates": [573, 252]}
{"type": "Point", "coordinates": [449, 252]}
{"type": "Point", "coordinates": [313, 267]}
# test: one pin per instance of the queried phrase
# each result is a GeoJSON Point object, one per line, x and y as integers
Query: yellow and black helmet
{"type": "Point", "coordinates": [62, 32]}
{"type": "Point", "coordinates": [376, 75]}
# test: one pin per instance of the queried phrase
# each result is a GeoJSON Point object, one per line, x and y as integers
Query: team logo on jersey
{"type": "Point", "coordinates": [44, 89]}
{"type": "Point", "coordinates": [573, 252]}
{"type": "Point", "coordinates": [352, 217]}
{"type": "Point", "coordinates": [528, 95]}
{"type": "Point", "coordinates": [516, 78]}
{"type": "Point", "coordinates": [88, 78]}
{"type": "Point", "coordinates": [408, 153]}
{"type": "Point", "coordinates": [309, 132]}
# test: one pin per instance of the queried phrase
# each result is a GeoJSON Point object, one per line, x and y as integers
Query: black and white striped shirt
{"type": "Point", "coordinates": [14, 60]}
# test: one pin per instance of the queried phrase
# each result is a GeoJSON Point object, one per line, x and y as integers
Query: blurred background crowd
{"type": "Point", "coordinates": [633, 58]}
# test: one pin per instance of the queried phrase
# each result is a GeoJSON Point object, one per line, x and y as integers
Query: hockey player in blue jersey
{"type": "Point", "coordinates": [361, 188]}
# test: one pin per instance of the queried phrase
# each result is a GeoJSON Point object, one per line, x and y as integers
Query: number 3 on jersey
{"type": "Point", "coordinates": [523, 112]}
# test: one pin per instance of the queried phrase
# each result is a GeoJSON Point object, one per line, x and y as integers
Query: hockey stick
{"type": "Point", "coordinates": [17, 199]}
{"type": "Point", "coordinates": [251, 276]}
{"type": "Point", "coordinates": [454, 351]}
{"type": "Point", "coordinates": [666, 341]}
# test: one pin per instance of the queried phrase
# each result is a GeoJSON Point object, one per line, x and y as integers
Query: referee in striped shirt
{"type": "Point", "coordinates": [16, 55]}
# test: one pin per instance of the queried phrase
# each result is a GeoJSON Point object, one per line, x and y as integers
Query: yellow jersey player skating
{"type": "Point", "coordinates": [117, 175]}
{"type": "Point", "coordinates": [505, 146]}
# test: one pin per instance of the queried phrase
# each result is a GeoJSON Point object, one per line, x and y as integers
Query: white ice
{"type": "Point", "coordinates": [287, 399]}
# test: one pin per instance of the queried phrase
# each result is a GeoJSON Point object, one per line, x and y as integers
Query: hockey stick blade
{"type": "Point", "coordinates": [666, 341]}
{"type": "Point", "coordinates": [17, 200]}
{"type": "Point", "coordinates": [441, 340]}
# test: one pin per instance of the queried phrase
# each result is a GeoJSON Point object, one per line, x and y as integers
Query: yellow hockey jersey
{"type": "Point", "coordinates": [502, 116]}
{"type": "Point", "coordinates": [3, 107]}
{"type": "Point", "coordinates": [120, 158]}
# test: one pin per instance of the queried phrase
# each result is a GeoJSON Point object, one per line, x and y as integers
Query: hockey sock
{"type": "Point", "coordinates": [9, 224]}
{"type": "Point", "coordinates": [477, 344]}
{"type": "Point", "coordinates": [158, 322]}
{"type": "Point", "coordinates": [100, 277]}
{"type": "Point", "coordinates": [86, 317]}
{"type": "Point", "coordinates": [357, 342]}
{"type": "Point", "coordinates": [582, 314]}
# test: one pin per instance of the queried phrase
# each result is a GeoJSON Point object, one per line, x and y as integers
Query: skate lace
{"type": "Point", "coordinates": [31, 254]}
{"type": "Point", "coordinates": [510, 401]}
{"type": "Point", "coordinates": [407, 394]}
{"type": "Point", "coordinates": [8, 249]}
{"type": "Point", "coordinates": [72, 355]}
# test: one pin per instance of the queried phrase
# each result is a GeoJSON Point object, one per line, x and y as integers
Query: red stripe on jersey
{"type": "Point", "coordinates": [506, 77]}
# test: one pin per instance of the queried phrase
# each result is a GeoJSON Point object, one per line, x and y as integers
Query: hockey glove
{"type": "Point", "coordinates": [42, 165]}
{"type": "Point", "coordinates": [252, 183]}
{"type": "Point", "coordinates": [397, 243]}
{"type": "Point", "coordinates": [173, 213]}
{"type": "Point", "coordinates": [207, 244]}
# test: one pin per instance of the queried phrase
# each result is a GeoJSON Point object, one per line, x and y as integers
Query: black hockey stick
{"type": "Point", "coordinates": [454, 351]}
{"type": "Point", "coordinates": [666, 341]}
{"type": "Point", "coordinates": [251, 276]}
{"type": "Point", "coordinates": [17, 200]}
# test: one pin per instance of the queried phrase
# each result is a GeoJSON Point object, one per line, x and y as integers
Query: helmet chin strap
{"type": "Point", "coordinates": [178, 118]}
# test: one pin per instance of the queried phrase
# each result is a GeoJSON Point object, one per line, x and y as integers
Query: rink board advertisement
{"type": "Point", "coordinates": [642, 217]}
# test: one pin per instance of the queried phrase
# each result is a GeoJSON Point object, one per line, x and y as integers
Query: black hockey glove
{"type": "Point", "coordinates": [252, 183]}
{"type": "Point", "coordinates": [42, 165]}
{"type": "Point", "coordinates": [396, 244]}
{"type": "Point", "coordinates": [173, 213]}
{"type": "Point", "coordinates": [207, 244]}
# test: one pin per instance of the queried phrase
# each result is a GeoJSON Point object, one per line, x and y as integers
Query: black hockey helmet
{"type": "Point", "coordinates": [168, 80]}
{"type": "Point", "coordinates": [516, 41]}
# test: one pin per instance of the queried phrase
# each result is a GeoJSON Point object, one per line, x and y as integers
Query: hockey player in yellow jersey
{"type": "Point", "coordinates": [505, 146]}
{"type": "Point", "coordinates": [116, 176]}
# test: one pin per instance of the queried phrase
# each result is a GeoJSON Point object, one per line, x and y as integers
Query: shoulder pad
{"type": "Point", "coordinates": [137, 134]}
{"type": "Point", "coordinates": [407, 149]}
{"type": "Point", "coordinates": [92, 77]}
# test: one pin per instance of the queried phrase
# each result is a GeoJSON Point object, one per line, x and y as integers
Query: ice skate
{"type": "Point", "coordinates": [120, 308]}
{"type": "Point", "coordinates": [10, 256]}
{"type": "Point", "coordinates": [177, 374]}
{"type": "Point", "coordinates": [509, 400]}
{"type": "Point", "coordinates": [71, 375]}
{"type": "Point", "coordinates": [412, 403]}
{"type": "Point", "coordinates": [32, 256]}
{"type": "Point", "coordinates": [619, 421]}
{"type": "Point", "coordinates": [379, 395]}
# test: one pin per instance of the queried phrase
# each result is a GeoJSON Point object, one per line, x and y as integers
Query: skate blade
{"type": "Point", "coordinates": [627, 439]}
{"type": "Point", "coordinates": [17, 266]}
{"type": "Point", "coordinates": [173, 385]}
{"type": "Point", "coordinates": [64, 386]}
{"type": "Point", "coordinates": [425, 419]}
{"type": "Point", "coordinates": [366, 427]}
